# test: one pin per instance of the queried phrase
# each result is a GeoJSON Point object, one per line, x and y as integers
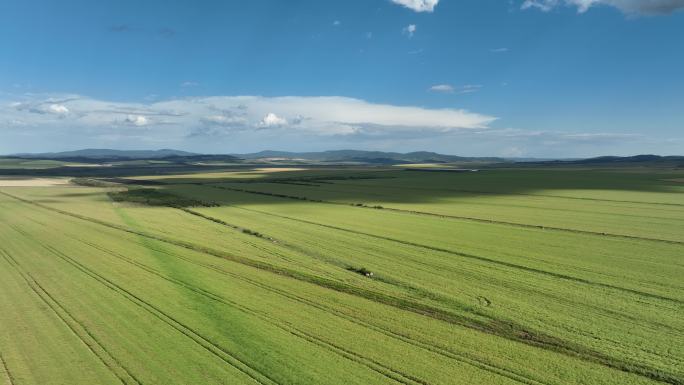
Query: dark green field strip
{"type": "Point", "coordinates": [79, 330]}
{"type": "Point", "coordinates": [504, 194]}
{"type": "Point", "coordinates": [601, 217]}
{"type": "Point", "coordinates": [456, 217]}
{"type": "Point", "coordinates": [504, 329]}
{"type": "Point", "coordinates": [352, 192]}
{"type": "Point", "coordinates": [622, 185]}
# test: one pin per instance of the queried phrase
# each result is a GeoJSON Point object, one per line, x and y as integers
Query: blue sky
{"type": "Point", "coordinates": [545, 78]}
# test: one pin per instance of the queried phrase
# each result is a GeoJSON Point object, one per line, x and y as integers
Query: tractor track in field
{"type": "Point", "coordinates": [500, 328]}
{"type": "Point", "coordinates": [85, 336]}
{"type": "Point", "coordinates": [7, 374]}
{"type": "Point", "coordinates": [446, 353]}
{"type": "Point", "coordinates": [378, 367]}
{"type": "Point", "coordinates": [445, 216]}
{"type": "Point", "coordinates": [472, 256]}
{"type": "Point", "coordinates": [203, 342]}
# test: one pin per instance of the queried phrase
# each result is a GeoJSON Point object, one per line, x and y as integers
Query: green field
{"type": "Point", "coordinates": [502, 276]}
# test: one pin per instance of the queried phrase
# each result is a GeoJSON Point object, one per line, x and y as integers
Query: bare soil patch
{"type": "Point", "coordinates": [32, 182]}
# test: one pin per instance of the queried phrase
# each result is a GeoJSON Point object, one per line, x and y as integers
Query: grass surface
{"type": "Point", "coordinates": [491, 277]}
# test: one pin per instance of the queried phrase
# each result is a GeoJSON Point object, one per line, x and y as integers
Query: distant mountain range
{"type": "Point", "coordinates": [632, 159]}
{"type": "Point", "coordinates": [337, 156]}
{"type": "Point", "coordinates": [97, 153]}
{"type": "Point", "coordinates": [377, 157]}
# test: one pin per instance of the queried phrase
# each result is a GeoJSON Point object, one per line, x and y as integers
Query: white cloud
{"type": "Point", "coordinates": [409, 30]}
{"type": "Point", "coordinates": [499, 50]}
{"type": "Point", "coordinates": [445, 88]}
{"type": "Point", "coordinates": [337, 23]}
{"type": "Point", "coordinates": [469, 88]}
{"type": "Point", "coordinates": [189, 84]}
{"type": "Point", "coordinates": [136, 120]}
{"type": "Point", "coordinates": [418, 5]}
{"type": "Point", "coordinates": [223, 120]}
{"type": "Point", "coordinates": [272, 120]}
{"type": "Point", "coordinates": [648, 7]}
{"type": "Point", "coordinates": [448, 88]}
{"type": "Point", "coordinates": [58, 109]}
{"type": "Point", "coordinates": [212, 120]}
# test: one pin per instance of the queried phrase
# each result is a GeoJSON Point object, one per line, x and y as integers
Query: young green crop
{"type": "Point", "coordinates": [532, 277]}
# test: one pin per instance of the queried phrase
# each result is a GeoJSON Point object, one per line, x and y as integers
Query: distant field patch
{"type": "Point", "coordinates": [279, 169]}
{"type": "Point", "coordinates": [32, 182]}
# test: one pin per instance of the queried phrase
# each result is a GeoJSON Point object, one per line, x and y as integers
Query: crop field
{"type": "Point", "coordinates": [345, 275]}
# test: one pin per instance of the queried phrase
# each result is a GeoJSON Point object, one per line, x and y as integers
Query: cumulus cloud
{"type": "Point", "coordinates": [272, 120]}
{"type": "Point", "coordinates": [409, 30]}
{"type": "Point", "coordinates": [647, 7]}
{"type": "Point", "coordinates": [58, 109]}
{"type": "Point", "coordinates": [136, 120]}
{"type": "Point", "coordinates": [418, 5]}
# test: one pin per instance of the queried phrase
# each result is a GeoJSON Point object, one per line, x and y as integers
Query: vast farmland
{"type": "Point", "coordinates": [347, 275]}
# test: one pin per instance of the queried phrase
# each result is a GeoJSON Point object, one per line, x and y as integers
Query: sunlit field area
{"type": "Point", "coordinates": [347, 275]}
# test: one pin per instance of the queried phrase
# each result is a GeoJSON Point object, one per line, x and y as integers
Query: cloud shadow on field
{"type": "Point", "coordinates": [378, 186]}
